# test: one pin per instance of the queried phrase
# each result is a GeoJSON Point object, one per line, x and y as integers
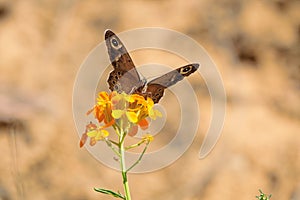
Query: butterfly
{"type": "Point", "coordinates": [125, 77]}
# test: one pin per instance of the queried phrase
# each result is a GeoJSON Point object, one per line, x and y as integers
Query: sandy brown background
{"type": "Point", "coordinates": [255, 44]}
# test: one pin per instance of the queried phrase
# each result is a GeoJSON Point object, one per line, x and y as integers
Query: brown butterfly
{"type": "Point", "coordinates": [125, 78]}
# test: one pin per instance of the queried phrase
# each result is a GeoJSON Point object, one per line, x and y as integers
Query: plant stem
{"type": "Point", "coordinates": [123, 167]}
{"type": "Point", "coordinates": [139, 159]}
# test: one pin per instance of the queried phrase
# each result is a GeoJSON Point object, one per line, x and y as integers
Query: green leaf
{"type": "Point", "coordinates": [109, 192]}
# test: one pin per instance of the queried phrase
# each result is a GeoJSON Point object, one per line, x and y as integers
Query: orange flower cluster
{"type": "Point", "coordinates": [122, 112]}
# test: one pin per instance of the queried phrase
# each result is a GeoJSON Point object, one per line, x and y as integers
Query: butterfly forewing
{"type": "Point", "coordinates": [174, 76]}
{"type": "Point", "coordinates": [122, 63]}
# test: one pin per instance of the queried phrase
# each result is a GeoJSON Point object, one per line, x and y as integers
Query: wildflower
{"type": "Point", "coordinates": [135, 108]}
{"type": "Point", "coordinates": [94, 133]}
{"type": "Point", "coordinates": [124, 105]}
{"type": "Point", "coordinates": [102, 110]}
{"type": "Point", "coordinates": [121, 111]}
{"type": "Point", "coordinates": [151, 112]}
{"type": "Point", "coordinates": [147, 138]}
{"type": "Point", "coordinates": [97, 135]}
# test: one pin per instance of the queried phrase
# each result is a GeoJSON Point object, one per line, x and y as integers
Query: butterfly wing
{"type": "Point", "coordinates": [124, 77]}
{"type": "Point", "coordinates": [155, 88]}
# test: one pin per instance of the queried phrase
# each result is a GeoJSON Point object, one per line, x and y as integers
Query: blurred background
{"type": "Point", "coordinates": [256, 46]}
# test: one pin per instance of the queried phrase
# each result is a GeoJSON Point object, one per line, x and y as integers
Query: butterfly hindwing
{"type": "Point", "coordinates": [155, 88]}
{"type": "Point", "coordinates": [153, 91]}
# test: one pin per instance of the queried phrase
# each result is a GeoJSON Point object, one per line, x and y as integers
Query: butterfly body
{"type": "Point", "coordinates": [125, 78]}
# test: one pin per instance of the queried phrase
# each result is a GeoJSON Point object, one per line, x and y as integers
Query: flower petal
{"type": "Point", "coordinates": [133, 131]}
{"type": "Point", "coordinates": [103, 96]}
{"type": "Point", "coordinates": [93, 141]}
{"type": "Point", "coordinates": [116, 98]}
{"type": "Point", "coordinates": [92, 133]}
{"type": "Point", "coordinates": [102, 99]}
{"type": "Point", "coordinates": [132, 117]}
{"type": "Point", "coordinates": [90, 111]}
{"type": "Point", "coordinates": [158, 113]}
{"type": "Point", "coordinates": [117, 114]}
{"type": "Point", "coordinates": [83, 140]}
{"type": "Point", "coordinates": [105, 133]}
{"type": "Point", "coordinates": [108, 124]}
{"type": "Point", "coordinates": [150, 102]}
{"type": "Point", "coordinates": [100, 117]}
{"type": "Point", "coordinates": [101, 135]}
{"type": "Point", "coordinates": [144, 124]}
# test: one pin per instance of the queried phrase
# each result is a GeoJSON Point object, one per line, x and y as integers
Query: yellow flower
{"type": "Point", "coordinates": [94, 133]}
{"type": "Point", "coordinates": [151, 112]}
{"type": "Point", "coordinates": [147, 138]}
{"type": "Point", "coordinates": [134, 106]}
{"type": "Point", "coordinates": [131, 116]}
{"type": "Point", "coordinates": [97, 135]}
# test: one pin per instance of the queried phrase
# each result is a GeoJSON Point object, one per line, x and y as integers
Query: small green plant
{"type": "Point", "coordinates": [263, 196]}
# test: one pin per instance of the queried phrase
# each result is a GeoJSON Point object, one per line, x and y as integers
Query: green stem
{"type": "Point", "coordinates": [135, 145]}
{"type": "Point", "coordinates": [123, 167]}
{"type": "Point", "coordinates": [113, 142]}
{"type": "Point", "coordinates": [109, 143]}
{"type": "Point", "coordinates": [139, 159]}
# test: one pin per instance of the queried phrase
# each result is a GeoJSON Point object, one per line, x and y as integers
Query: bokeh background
{"type": "Point", "coordinates": [256, 46]}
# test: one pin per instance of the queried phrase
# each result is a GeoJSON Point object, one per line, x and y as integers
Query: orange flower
{"type": "Point", "coordinates": [102, 110]}
{"type": "Point", "coordinates": [120, 111]}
